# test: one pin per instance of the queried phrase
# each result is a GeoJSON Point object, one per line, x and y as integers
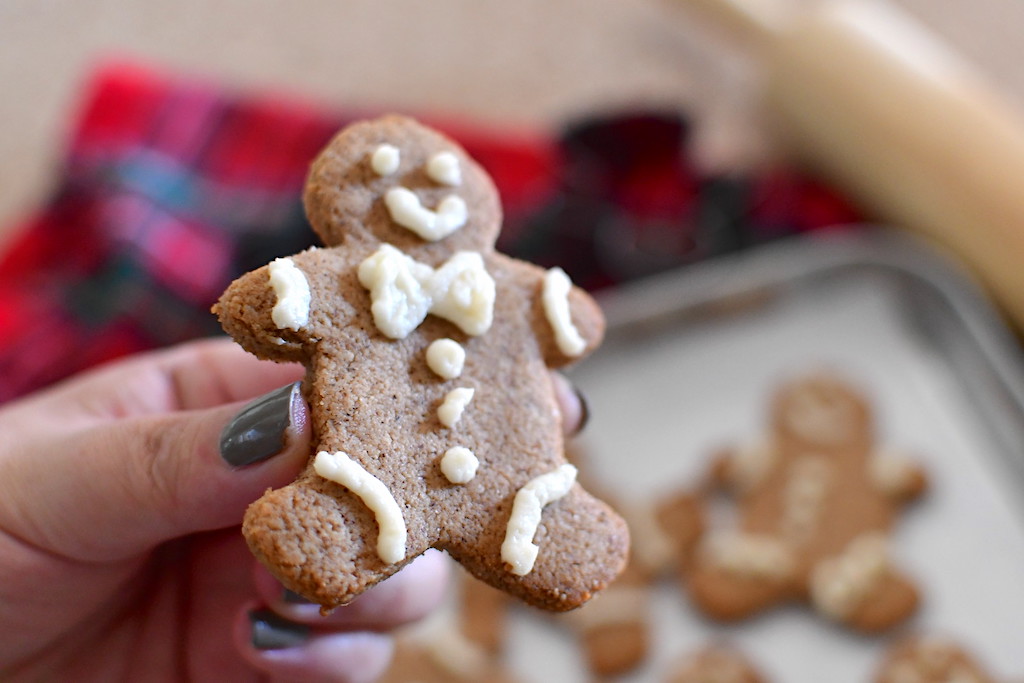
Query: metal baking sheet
{"type": "Point", "coordinates": [688, 364]}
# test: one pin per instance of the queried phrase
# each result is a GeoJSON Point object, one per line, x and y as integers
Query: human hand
{"type": "Point", "coordinates": [121, 492]}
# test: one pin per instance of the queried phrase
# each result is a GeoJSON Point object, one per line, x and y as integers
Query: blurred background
{"type": "Point", "coordinates": [531, 63]}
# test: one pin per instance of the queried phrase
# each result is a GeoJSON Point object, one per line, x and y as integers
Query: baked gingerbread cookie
{"type": "Point", "coordinates": [482, 614]}
{"type": "Point", "coordinates": [463, 641]}
{"type": "Point", "coordinates": [427, 352]}
{"type": "Point", "coordinates": [614, 632]}
{"type": "Point", "coordinates": [930, 659]}
{"type": "Point", "coordinates": [715, 664]}
{"type": "Point", "coordinates": [442, 661]}
{"type": "Point", "coordinates": [816, 499]}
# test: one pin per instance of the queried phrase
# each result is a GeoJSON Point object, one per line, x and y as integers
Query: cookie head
{"type": "Point", "coordinates": [822, 410]}
{"type": "Point", "coordinates": [393, 180]}
{"type": "Point", "coordinates": [435, 421]}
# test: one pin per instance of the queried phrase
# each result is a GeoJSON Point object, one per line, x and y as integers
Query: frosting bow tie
{"type": "Point", "coordinates": [403, 291]}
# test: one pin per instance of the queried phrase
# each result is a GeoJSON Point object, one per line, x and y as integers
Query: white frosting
{"type": "Point", "coordinates": [750, 463]}
{"type": "Point", "coordinates": [446, 357]}
{"type": "Point", "coordinates": [391, 533]}
{"type": "Point", "coordinates": [459, 465]}
{"type": "Point", "coordinates": [443, 168]}
{"type": "Point", "coordinates": [839, 584]}
{"type": "Point", "coordinates": [556, 308]}
{"type": "Point", "coordinates": [403, 291]}
{"type": "Point", "coordinates": [933, 658]}
{"type": "Point", "coordinates": [518, 549]}
{"type": "Point", "coordinates": [463, 292]}
{"type": "Point", "coordinates": [293, 296]}
{"type": "Point", "coordinates": [395, 281]}
{"type": "Point", "coordinates": [385, 159]}
{"type": "Point", "coordinates": [803, 497]}
{"type": "Point", "coordinates": [407, 210]}
{"type": "Point", "coordinates": [455, 401]}
{"type": "Point", "coordinates": [747, 554]}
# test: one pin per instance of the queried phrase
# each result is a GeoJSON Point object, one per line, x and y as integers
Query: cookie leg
{"type": "Point", "coordinates": [892, 600]}
{"type": "Point", "coordinates": [616, 649]}
{"type": "Point", "coordinates": [860, 588]}
{"type": "Point", "coordinates": [582, 546]}
{"type": "Point", "coordinates": [726, 596]}
{"type": "Point", "coordinates": [482, 614]}
{"type": "Point", "coordinates": [613, 628]}
{"type": "Point", "coordinates": [715, 663]}
{"type": "Point", "coordinates": [737, 575]}
{"type": "Point", "coordinates": [319, 541]}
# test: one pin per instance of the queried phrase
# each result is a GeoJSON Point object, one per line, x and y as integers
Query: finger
{"type": "Point", "coordinates": [409, 595]}
{"type": "Point", "coordinates": [195, 375]}
{"type": "Point", "coordinates": [295, 652]}
{"type": "Point", "coordinates": [122, 487]}
{"type": "Point", "coordinates": [575, 411]}
{"type": "Point", "coordinates": [190, 376]}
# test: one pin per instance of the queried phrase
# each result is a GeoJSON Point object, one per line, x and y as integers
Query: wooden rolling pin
{"type": "Point", "coordinates": [905, 127]}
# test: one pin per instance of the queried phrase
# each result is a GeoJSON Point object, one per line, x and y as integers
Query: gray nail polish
{"type": "Point", "coordinates": [293, 598]}
{"type": "Point", "coordinates": [584, 409]}
{"type": "Point", "coordinates": [258, 432]}
{"type": "Point", "coordinates": [271, 632]}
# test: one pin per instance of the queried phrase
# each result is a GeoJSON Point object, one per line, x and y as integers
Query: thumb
{"type": "Point", "coordinates": [122, 487]}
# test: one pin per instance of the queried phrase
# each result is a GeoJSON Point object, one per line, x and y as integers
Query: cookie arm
{"type": "Point", "coordinates": [568, 322]}
{"type": "Point", "coordinates": [741, 467]}
{"type": "Point", "coordinates": [244, 311]}
{"type": "Point", "coordinates": [896, 475]}
{"type": "Point", "coordinates": [268, 310]}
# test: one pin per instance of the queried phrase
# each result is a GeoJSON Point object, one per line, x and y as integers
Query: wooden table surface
{"type": "Point", "coordinates": [523, 63]}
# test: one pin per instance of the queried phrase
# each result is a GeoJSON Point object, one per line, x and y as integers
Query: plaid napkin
{"type": "Point", "coordinates": [172, 187]}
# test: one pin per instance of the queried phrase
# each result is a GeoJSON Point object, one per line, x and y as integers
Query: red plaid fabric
{"type": "Point", "coordinates": [170, 188]}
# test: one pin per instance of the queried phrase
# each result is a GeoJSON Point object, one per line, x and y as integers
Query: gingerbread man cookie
{"type": "Point", "coordinates": [433, 414]}
{"type": "Point", "coordinates": [463, 641]}
{"type": "Point", "coordinates": [715, 664]}
{"type": "Point", "coordinates": [816, 500]}
{"type": "Point", "coordinates": [438, 651]}
{"type": "Point", "coordinates": [614, 631]}
{"type": "Point", "coordinates": [930, 659]}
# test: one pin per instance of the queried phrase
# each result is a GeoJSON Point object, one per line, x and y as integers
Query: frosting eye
{"type": "Point", "coordinates": [385, 159]}
{"type": "Point", "coordinates": [443, 168]}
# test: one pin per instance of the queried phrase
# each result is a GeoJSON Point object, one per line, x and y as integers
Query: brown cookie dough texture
{"type": "Point", "coordinates": [930, 659]}
{"type": "Point", "coordinates": [816, 499]}
{"type": "Point", "coordinates": [615, 632]}
{"type": "Point", "coordinates": [465, 645]}
{"type": "Point", "coordinates": [715, 664]}
{"type": "Point", "coordinates": [409, 222]}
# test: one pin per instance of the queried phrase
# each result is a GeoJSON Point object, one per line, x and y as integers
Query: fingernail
{"type": "Point", "coordinates": [258, 432]}
{"type": "Point", "coordinates": [271, 632]}
{"type": "Point", "coordinates": [294, 598]}
{"type": "Point", "coordinates": [584, 409]}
